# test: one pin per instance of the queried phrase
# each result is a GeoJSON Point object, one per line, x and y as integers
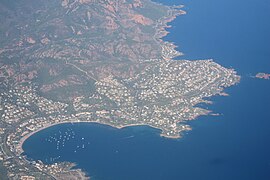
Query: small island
{"type": "Point", "coordinates": [71, 61]}
{"type": "Point", "coordinates": [263, 76]}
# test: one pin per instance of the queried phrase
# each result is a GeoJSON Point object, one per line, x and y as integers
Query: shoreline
{"type": "Point", "coordinates": [24, 138]}
{"type": "Point", "coordinates": [80, 172]}
{"type": "Point", "coordinates": [160, 28]}
{"type": "Point", "coordinates": [160, 32]}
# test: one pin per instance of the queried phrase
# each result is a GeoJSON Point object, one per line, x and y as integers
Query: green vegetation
{"type": "Point", "coordinates": [78, 61]}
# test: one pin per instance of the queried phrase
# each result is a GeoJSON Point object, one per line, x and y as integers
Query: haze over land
{"type": "Point", "coordinates": [94, 61]}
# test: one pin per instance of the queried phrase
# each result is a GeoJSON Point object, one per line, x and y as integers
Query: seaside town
{"type": "Point", "coordinates": [136, 82]}
{"type": "Point", "coordinates": [163, 96]}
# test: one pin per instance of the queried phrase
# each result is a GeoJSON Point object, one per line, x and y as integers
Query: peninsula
{"type": "Point", "coordinates": [99, 61]}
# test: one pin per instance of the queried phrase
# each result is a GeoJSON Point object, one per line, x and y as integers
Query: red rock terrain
{"type": "Point", "coordinates": [67, 42]}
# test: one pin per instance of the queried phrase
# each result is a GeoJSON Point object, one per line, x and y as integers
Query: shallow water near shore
{"type": "Point", "coordinates": [233, 146]}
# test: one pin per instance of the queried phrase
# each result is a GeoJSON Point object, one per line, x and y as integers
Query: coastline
{"type": "Point", "coordinates": [161, 31]}
{"type": "Point", "coordinates": [83, 175]}
{"type": "Point", "coordinates": [25, 137]}
{"type": "Point", "coordinates": [161, 25]}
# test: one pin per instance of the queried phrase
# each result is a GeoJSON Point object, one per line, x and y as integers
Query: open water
{"type": "Point", "coordinates": [233, 146]}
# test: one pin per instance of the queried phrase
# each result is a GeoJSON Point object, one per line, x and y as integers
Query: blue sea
{"type": "Point", "coordinates": [233, 146]}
